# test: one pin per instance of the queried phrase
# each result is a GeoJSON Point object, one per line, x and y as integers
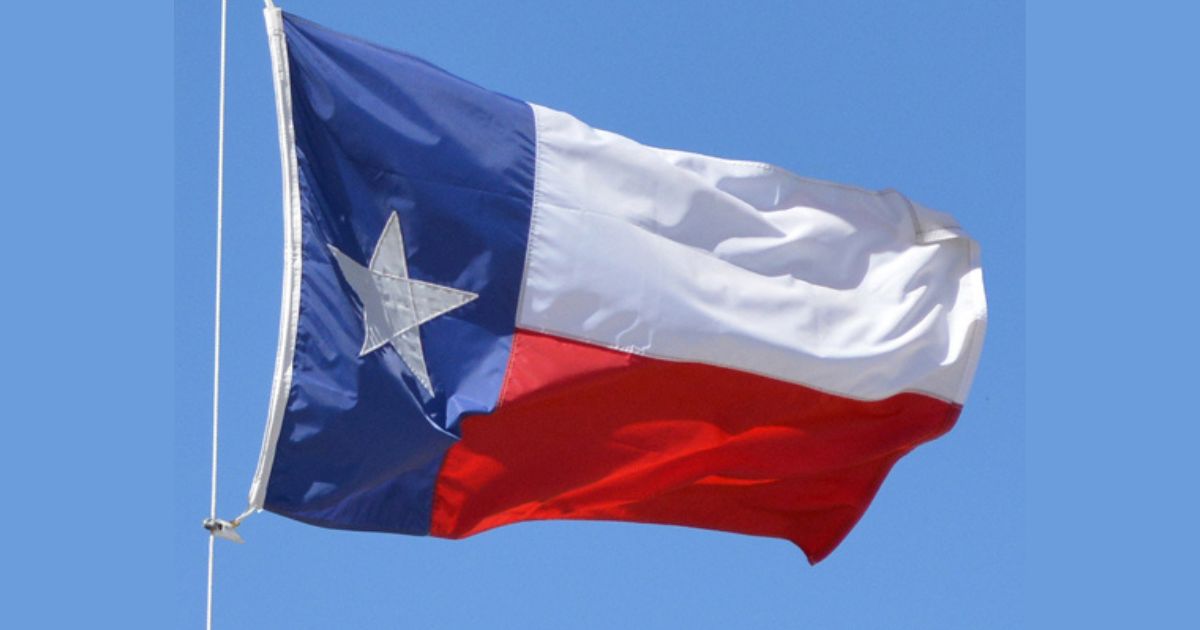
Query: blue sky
{"type": "Point", "coordinates": [927, 99]}
{"type": "Point", "coordinates": [1064, 498]}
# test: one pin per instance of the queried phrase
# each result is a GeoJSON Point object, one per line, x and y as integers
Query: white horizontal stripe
{"type": "Point", "coordinates": [686, 257]}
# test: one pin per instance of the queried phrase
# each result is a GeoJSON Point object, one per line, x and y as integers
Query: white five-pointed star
{"type": "Point", "coordinates": [394, 306]}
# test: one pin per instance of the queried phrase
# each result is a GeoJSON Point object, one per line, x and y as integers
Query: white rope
{"type": "Point", "coordinates": [212, 511]}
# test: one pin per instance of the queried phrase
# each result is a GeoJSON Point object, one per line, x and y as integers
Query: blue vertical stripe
{"type": "Point", "coordinates": [378, 131]}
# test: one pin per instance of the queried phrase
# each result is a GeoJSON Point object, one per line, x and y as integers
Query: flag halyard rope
{"type": "Point", "coordinates": [211, 523]}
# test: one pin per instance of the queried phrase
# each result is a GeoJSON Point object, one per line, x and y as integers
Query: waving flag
{"type": "Point", "coordinates": [494, 313]}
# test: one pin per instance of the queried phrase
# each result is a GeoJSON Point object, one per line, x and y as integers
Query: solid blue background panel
{"type": "Point", "coordinates": [926, 98]}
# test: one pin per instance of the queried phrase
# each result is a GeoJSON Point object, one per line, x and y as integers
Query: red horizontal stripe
{"type": "Point", "coordinates": [584, 432]}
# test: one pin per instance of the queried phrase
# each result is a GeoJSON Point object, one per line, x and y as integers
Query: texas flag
{"type": "Point", "coordinates": [494, 313]}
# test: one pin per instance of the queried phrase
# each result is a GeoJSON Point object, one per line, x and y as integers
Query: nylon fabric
{"type": "Point", "coordinates": [587, 433]}
{"type": "Point", "coordinates": [379, 134]}
{"type": "Point", "coordinates": [687, 257]}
